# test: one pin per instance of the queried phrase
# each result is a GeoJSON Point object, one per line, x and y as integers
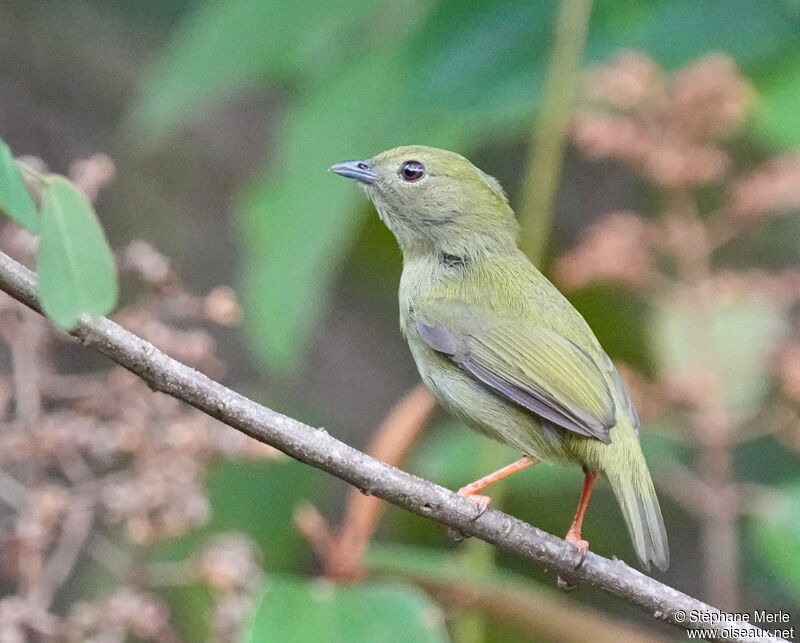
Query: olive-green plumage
{"type": "Point", "coordinates": [494, 340]}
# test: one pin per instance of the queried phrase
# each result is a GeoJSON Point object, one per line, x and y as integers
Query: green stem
{"type": "Point", "coordinates": [549, 138]}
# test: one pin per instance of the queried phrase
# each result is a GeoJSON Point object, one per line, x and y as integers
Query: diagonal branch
{"type": "Point", "coordinates": [319, 449]}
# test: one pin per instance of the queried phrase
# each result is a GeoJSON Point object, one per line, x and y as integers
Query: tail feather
{"type": "Point", "coordinates": [639, 504]}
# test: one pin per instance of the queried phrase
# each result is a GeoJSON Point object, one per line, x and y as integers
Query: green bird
{"type": "Point", "coordinates": [497, 344]}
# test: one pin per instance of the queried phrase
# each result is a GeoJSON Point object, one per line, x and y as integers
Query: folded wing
{"type": "Point", "coordinates": [529, 364]}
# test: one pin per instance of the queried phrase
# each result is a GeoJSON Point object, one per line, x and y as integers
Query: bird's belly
{"type": "Point", "coordinates": [488, 413]}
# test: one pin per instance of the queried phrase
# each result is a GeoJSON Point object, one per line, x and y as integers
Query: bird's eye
{"type": "Point", "coordinates": [412, 171]}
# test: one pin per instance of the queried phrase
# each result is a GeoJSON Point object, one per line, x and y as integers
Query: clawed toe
{"type": "Point", "coordinates": [582, 546]}
{"type": "Point", "coordinates": [583, 552]}
{"type": "Point", "coordinates": [482, 502]}
{"type": "Point", "coordinates": [578, 543]}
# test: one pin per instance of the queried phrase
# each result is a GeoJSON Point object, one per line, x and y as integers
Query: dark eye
{"type": "Point", "coordinates": [412, 171]}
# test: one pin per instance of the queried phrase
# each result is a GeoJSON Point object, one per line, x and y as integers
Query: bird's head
{"type": "Point", "coordinates": [435, 201]}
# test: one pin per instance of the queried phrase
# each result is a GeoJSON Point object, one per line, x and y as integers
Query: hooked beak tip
{"type": "Point", "coordinates": [358, 170]}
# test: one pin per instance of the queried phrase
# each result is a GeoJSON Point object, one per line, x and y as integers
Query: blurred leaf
{"type": "Point", "coordinates": [75, 266]}
{"type": "Point", "coordinates": [449, 453]}
{"type": "Point", "coordinates": [766, 461]}
{"type": "Point", "coordinates": [772, 245]}
{"type": "Point", "coordinates": [294, 609]}
{"type": "Point", "coordinates": [15, 200]}
{"type": "Point", "coordinates": [674, 33]}
{"type": "Point", "coordinates": [779, 96]}
{"type": "Point", "coordinates": [223, 46]}
{"type": "Point", "coordinates": [483, 59]}
{"type": "Point", "coordinates": [372, 76]}
{"type": "Point", "coordinates": [425, 562]}
{"type": "Point", "coordinates": [300, 221]}
{"type": "Point", "coordinates": [257, 498]}
{"type": "Point", "coordinates": [659, 447]}
{"type": "Point", "coordinates": [776, 533]}
{"type": "Point", "coordinates": [191, 607]}
{"type": "Point", "coordinates": [742, 334]}
{"type": "Point", "coordinates": [616, 315]}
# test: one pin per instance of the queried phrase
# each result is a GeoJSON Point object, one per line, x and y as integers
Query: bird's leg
{"type": "Point", "coordinates": [471, 490]}
{"type": "Point", "coordinates": [574, 534]}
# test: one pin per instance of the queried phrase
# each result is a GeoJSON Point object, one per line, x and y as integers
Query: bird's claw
{"type": "Point", "coordinates": [482, 507]}
{"type": "Point", "coordinates": [583, 552]}
{"type": "Point", "coordinates": [483, 504]}
{"type": "Point", "coordinates": [578, 543]}
{"type": "Point", "coordinates": [582, 546]}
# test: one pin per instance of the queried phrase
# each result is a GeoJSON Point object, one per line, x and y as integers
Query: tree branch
{"type": "Point", "coordinates": [317, 448]}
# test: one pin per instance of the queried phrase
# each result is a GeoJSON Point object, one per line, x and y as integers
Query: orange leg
{"type": "Point", "coordinates": [471, 490]}
{"type": "Point", "coordinates": [574, 534]}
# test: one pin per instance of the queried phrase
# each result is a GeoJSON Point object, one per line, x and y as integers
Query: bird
{"type": "Point", "coordinates": [497, 343]}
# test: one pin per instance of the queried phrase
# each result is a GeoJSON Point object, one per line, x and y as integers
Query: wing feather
{"type": "Point", "coordinates": [529, 364]}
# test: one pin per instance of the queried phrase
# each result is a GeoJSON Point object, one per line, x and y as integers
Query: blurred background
{"type": "Point", "coordinates": [651, 151]}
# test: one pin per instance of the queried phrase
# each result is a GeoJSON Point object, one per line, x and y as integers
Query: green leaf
{"type": "Point", "coordinates": [75, 267]}
{"type": "Point", "coordinates": [740, 335]}
{"type": "Point", "coordinates": [265, 517]}
{"type": "Point", "coordinates": [676, 32]}
{"type": "Point", "coordinates": [300, 221]}
{"type": "Point", "coordinates": [483, 60]}
{"type": "Point", "coordinates": [453, 455]}
{"type": "Point", "coordinates": [15, 200]}
{"type": "Point", "coordinates": [293, 609]}
{"type": "Point", "coordinates": [776, 534]}
{"type": "Point", "coordinates": [224, 46]}
{"type": "Point", "coordinates": [779, 95]}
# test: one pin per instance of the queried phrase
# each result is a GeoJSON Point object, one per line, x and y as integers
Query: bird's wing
{"type": "Point", "coordinates": [527, 363]}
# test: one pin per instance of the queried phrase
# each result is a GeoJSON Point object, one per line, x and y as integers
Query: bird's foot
{"type": "Point", "coordinates": [574, 539]}
{"type": "Point", "coordinates": [483, 504]}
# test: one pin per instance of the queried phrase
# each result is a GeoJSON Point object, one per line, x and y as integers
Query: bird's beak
{"type": "Point", "coordinates": [359, 170]}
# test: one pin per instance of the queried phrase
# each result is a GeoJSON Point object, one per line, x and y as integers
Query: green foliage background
{"type": "Point", "coordinates": [346, 80]}
{"type": "Point", "coordinates": [361, 77]}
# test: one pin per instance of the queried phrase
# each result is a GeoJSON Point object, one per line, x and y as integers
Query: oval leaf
{"type": "Point", "coordinates": [776, 534]}
{"type": "Point", "coordinates": [76, 269]}
{"type": "Point", "coordinates": [294, 609]}
{"type": "Point", "coordinates": [221, 47]}
{"type": "Point", "coordinates": [15, 200]}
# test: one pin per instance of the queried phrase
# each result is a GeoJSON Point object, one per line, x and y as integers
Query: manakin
{"type": "Point", "coordinates": [497, 343]}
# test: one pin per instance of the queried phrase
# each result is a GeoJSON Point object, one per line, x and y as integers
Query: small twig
{"type": "Point", "coordinates": [317, 448]}
{"type": "Point", "coordinates": [315, 529]}
{"type": "Point", "coordinates": [550, 136]}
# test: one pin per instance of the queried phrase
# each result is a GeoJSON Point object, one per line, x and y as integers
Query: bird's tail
{"type": "Point", "coordinates": [637, 498]}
